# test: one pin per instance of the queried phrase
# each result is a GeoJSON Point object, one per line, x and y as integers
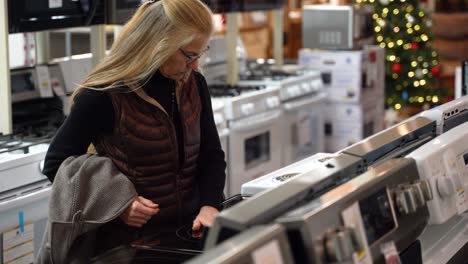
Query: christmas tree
{"type": "Point", "coordinates": [402, 28]}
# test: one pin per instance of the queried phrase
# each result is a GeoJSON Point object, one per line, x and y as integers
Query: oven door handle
{"type": "Point", "coordinates": [256, 121]}
{"type": "Point", "coordinates": [294, 105]}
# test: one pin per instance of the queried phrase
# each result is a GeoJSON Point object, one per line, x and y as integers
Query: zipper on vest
{"type": "Point", "coordinates": [178, 162]}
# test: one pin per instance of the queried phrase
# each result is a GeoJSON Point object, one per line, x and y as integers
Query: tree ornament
{"type": "Point", "coordinates": [396, 68]}
{"type": "Point", "coordinates": [414, 45]}
{"type": "Point", "coordinates": [435, 71]}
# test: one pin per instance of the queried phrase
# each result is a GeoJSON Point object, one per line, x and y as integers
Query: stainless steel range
{"type": "Point", "coordinates": [449, 115]}
{"type": "Point", "coordinates": [353, 221]}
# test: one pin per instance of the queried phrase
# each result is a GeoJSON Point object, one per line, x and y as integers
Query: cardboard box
{"type": "Point", "coordinates": [349, 76]}
{"type": "Point", "coordinates": [346, 124]}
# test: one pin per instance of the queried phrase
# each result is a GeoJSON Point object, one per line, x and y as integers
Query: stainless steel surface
{"type": "Point", "coordinates": [275, 202]}
{"type": "Point", "coordinates": [448, 115]}
{"type": "Point", "coordinates": [310, 222]}
{"type": "Point", "coordinates": [395, 141]}
{"type": "Point", "coordinates": [337, 27]}
{"type": "Point", "coordinates": [260, 244]}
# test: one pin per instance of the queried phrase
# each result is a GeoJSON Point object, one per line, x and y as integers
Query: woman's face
{"type": "Point", "coordinates": [186, 59]}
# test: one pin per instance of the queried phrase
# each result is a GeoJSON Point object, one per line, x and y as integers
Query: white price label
{"type": "Point", "coordinates": [270, 253]}
{"type": "Point", "coordinates": [304, 129]}
{"type": "Point", "coordinates": [43, 80]}
{"type": "Point", "coordinates": [18, 247]}
{"type": "Point", "coordinates": [352, 218]}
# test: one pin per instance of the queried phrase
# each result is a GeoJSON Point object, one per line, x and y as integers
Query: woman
{"type": "Point", "coordinates": [147, 108]}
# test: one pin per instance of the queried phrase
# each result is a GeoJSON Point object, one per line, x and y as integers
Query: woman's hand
{"type": "Point", "coordinates": [206, 217]}
{"type": "Point", "coordinates": [139, 212]}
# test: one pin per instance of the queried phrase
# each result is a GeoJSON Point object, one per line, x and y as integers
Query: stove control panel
{"type": "Point", "coordinates": [410, 197]}
{"type": "Point", "coordinates": [443, 162]}
{"type": "Point", "coordinates": [350, 223]}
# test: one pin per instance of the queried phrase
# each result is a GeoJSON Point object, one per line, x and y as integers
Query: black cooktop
{"type": "Point", "coordinates": [169, 246]}
{"type": "Point", "coordinates": [226, 90]}
{"type": "Point", "coordinates": [172, 245]}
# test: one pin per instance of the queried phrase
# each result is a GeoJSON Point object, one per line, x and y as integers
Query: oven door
{"type": "Point", "coordinates": [254, 148]}
{"type": "Point", "coordinates": [303, 133]}
{"type": "Point", "coordinates": [120, 11]}
{"type": "Point", "coordinates": [223, 138]}
{"type": "Point", "coordinates": [36, 15]}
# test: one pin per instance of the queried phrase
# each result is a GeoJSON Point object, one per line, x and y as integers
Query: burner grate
{"type": "Point", "coordinates": [226, 90]}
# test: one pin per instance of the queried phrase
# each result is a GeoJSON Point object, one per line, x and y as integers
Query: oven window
{"type": "Point", "coordinates": [21, 83]}
{"type": "Point", "coordinates": [257, 150]}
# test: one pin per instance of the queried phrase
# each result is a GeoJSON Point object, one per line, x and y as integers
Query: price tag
{"type": "Point", "coordinates": [352, 218]}
{"type": "Point", "coordinates": [18, 245]}
{"type": "Point", "coordinates": [268, 254]}
{"type": "Point", "coordinates": [304, 130]}
{"type": "Point", "coordinates": [43, 81]}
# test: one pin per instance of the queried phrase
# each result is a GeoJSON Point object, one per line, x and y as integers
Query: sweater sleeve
{"type": "Point", "coordinates": [91, 115]}
{"type": "Point", "coordinates": [212, 164]}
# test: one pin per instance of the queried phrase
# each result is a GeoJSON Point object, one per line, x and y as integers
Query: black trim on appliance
{"type": "Point", "coordinates": [37, 15]}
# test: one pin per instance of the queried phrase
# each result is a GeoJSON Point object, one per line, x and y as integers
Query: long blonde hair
{"type": "Point", "coordinates": [155, 32]}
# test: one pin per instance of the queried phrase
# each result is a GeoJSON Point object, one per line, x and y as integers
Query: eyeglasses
{"type": "Point", "coordinates": [191, 58]}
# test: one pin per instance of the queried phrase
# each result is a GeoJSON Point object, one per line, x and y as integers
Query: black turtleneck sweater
{"type": "Point", "coordinates": [92, 115]}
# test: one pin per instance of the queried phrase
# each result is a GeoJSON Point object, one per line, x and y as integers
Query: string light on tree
{"type": "Point", "coordinates": [401, 27]}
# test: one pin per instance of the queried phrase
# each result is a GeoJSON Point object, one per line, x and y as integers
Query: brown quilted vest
{"type": "Point", "coordinates": [144, 147]}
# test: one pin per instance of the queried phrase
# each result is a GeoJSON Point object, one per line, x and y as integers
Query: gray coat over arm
{"type": "Point", "coordinates": [87, 192]}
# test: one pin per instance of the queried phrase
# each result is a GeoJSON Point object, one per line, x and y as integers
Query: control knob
{"type": "Point", "coordinates": [405, 200]}
{"type": "Point", "coordinates": [445, 187]}
{"type": "Point", "coordinates": [247, 108]}
{"type": "Point", "coordinates": [425, 188]}
{"type": "Point", "coordinates": [272, 102]}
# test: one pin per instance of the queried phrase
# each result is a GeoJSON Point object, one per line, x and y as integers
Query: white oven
{"type": "Point", "coordinates": [303, 127]}
{"type": "Point", "coordinates": [219, 115]}
{"type": "Point", "coordinates": [254, 148]}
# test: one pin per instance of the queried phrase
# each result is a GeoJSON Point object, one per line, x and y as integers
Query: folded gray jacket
{"type": "Point", "coordinates": [88, 191]}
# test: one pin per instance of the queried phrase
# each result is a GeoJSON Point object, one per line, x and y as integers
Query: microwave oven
{"type": "Point", "coordinates": [37, 15]}
{"type": "Point", "coordinates": [337, 27]}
